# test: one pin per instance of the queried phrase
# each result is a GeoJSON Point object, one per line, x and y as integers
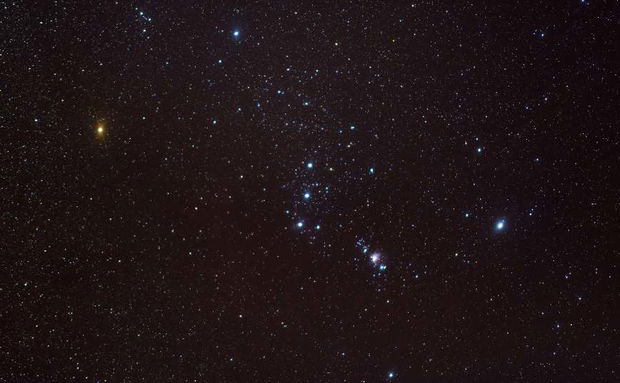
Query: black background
{"type": "Point", "coordinates": [167, 248]}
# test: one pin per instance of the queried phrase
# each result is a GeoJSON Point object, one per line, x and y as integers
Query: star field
{"type": "Point", "coordinates": [315, 191]}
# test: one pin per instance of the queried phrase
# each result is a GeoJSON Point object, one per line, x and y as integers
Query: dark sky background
{"type": "Point", "coordinates": [312, 191]}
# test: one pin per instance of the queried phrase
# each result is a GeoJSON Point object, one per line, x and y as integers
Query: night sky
{"type": "Point", "coordinates": [312, 191]}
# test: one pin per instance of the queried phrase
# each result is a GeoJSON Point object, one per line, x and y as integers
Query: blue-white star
{"type": "Point", "coordinates": [499, 226]}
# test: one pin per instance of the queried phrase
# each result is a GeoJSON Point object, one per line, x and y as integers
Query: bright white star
{"type": "Point", "coordinates": [374, 258]}
{"type": "Point", "coordinates": [500, 224]}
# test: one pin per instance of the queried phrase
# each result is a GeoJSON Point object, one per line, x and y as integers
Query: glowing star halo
{"type": "Point", "coordinates": [374, 258]}
{"type": "Point", "coordinates": [500, 225]}
{"type": "Point", "coordinates": [100, 130]}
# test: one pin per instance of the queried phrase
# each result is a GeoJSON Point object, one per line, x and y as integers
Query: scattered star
{"type": "Point", "coordinates": [354, 192]}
